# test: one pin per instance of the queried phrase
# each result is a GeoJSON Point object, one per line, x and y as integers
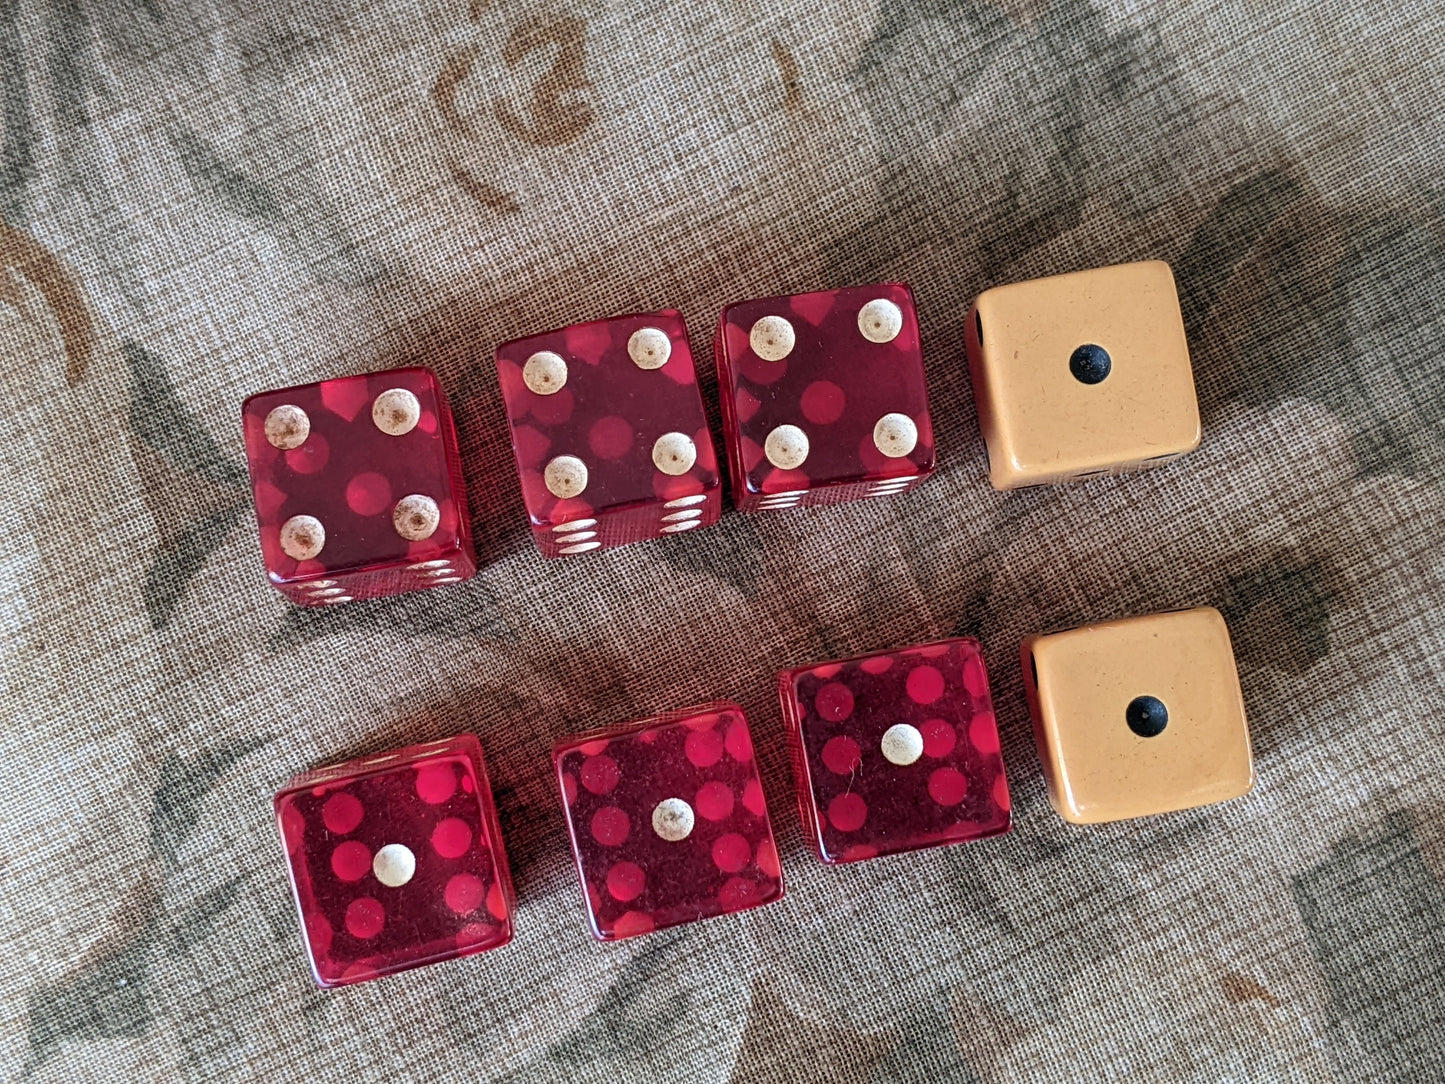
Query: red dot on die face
{"type": "Point", "coordinates": [436, 783]}
{"type": "Point", "coordinates": [847, 812]}
{"type": "Point", "coordinates": [451, 837]}
{"type": "Point", "coordinates": [320, 933]}
{"type": "Point", "coordinates": [569, 788]}
{"type": "Point", "coordinates": [341, 813]}
{"type": "Point", "coordinates": [625, 882]}
{"type": "Point", "coordinates": [834, 702]}
{"type": "Point", "coordinates": [311, 456]}
{"type": "Point", "coordinates": [464, 893]}
{"type": "Point", "coordinates": [975, 679]}
{"type": "Point", "coordinates": [600, 774]}
{"type": "Point", "coordinates": [293, 826]}
{"type": "Point", "coordinates": [351, 861]}
{"type": "Point", "coordinates": [714, 801]}
{"type": "Point", "coordinates": [947, 786]}
{"type": "Point", "coordinates": [368, 494]}
{"type": "Point", "coordinates": [738, 892]}
{"type": "Point", "coordinates": [925, 685]}
{"type": "Point", "coordinates": [610, 437]}
{"type": "Point", "coordinates": [768, 859]}
{"type": "Point", "coordinates": [553, 409]}
{"type": "Point", "coordinates": [983, 733]}
{"type": "Point", "coordinates": [610, 826]}
{"type": "Point", "coordinates": [877, 665]}
{"type": "Point", "coordinates": [731, 853]}
{"type": "Point", "coordinates": [739, 742]}
{"type": "Point", "coordinates": [841, 755]}
{"type": "Point", "coordinates": [939, 737]}
{"type": "Point", "coordinates": [823, 402]}
{"type": "Point", "coordinates": [497, 902]}
{"type": "Point", "coordinates": [365, 918]}
{"type": "Point", "coordinates": [704, 747]}
{"type": "Point", "coordinates": [753, 800]}
{"type": "Point", "coordinates": [1000, 793]}
{"type": "Point", "coordinates": [632, 923]}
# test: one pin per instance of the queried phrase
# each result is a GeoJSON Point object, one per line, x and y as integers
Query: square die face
{"type": "Point", "coordinates": [396, 861]}
{"type": "Point", "coordinates": [1139, 716]}
{"type": "Point", "coordinates": [668, 821]}
{"type": "Point", "coordinates": [357, 475]}
{"type": "Point", "coordinates": [1082, 373]}
{"type": "Point", "coordinates": [896, 751]}
{"type": "Point", "coordinates": [606, 418]}
{"type": "Point", "coordinates": [824, 389]}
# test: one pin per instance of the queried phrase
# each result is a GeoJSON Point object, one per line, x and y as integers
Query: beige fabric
{"type": "Point", "coordinates": [201, 200]}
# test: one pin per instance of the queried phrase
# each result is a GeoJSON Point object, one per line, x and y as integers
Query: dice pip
{"type": "Point", "coordinates": [396, 861]}
{"type": "Point", "coordinates": [609, 433]}
{"type": "Point", "coordinates": [1082, 374]}
{"type": "Point", "coordinates": [1138, 716]}
{"type": "Point", "coordinates": [668, 821]}
{"type": "Point", "coordinates": [358, 487]}
{"type": "Point", "coordinates": [824, 397]}
{"type": "Point", "coordinates": [895, 751]}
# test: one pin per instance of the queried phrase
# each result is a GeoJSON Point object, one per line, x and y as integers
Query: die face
{"type": "Point", "coordinates": [609, 433]}
{"type": "Point", "coordinates": [396, 861]}
{"type": "Point", "coordinates": [668, 821]}
{"type": "Point", "coordinates": [358, 487]}
{"type": "Point", "coordinates": [896, 751]}
{"type": "Point", "coordinates": [1139, 716]}
{"type": "Point", "coordinates": [824, 396]}
{"type": "Point", "coordinates": [1082, 374]}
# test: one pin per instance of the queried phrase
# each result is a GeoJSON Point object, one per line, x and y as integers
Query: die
{"type": "Point", "coordinates": [895, 751]}
{"type": "Point", "coordinates": [396, 861]}
{"type": "Point", "coordinates": [358, 487]}
{"type": "Point", "coordinates": [611, 441]}
{"type": "Point", "coordinates": [1082, 374]}
{"type": "Point", "coordinates": [1138, 716]}
{"type": "Point", "coordinates": [824, 397]}
{"type": "Point", "coordinates": [668, 821]}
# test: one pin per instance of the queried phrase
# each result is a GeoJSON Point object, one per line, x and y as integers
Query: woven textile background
{"type": "Point", "coordinates": [202, 200]}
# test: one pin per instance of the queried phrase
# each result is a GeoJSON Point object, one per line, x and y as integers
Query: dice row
{"type": "Point", "coordinates": [397, 860]}
{"type": "Point", "coordinates": [358, 482]}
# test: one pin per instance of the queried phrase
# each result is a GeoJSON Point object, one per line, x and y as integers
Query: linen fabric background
{"type": "Point", "coordinates": [202, 200]}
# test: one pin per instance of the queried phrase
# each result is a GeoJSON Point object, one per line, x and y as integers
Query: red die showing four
{"type": "Point", "coordinates": [608, 428]}
{"type": "Point", "coordinates": [823, 397]}
{"type": "Point", "coordinates": [358, 487]}
{"type": "Point", "coordinates": [668, 821]}
{"type": "Point", "coordinates": [396, 861]}
{"type": "Point", "coordinates": [896, 751]}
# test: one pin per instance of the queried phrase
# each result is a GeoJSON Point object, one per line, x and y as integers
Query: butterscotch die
{"type": "Point", "coordinates": [1082, 374]}
{"type": "Point", "coordinates": [1138, 716]}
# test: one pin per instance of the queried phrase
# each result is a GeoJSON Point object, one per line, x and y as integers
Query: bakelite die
{"type": "Point", "coordinates": [396, 860]}
{"type": "Point", "coordinates": [609, 433]}
{"type": "Point", "coordinates": [668, 821]}
{"type": "Point", "coordinates": [1082, 374]}
{"type": "Point", "coordinates": [896, 750]}
{"type": "Point", "coordinates": [824, 397]}
{"type": "Point", "coordinates": [358, 487]}
{"type": "Point", "coordinates": [1139, 716]}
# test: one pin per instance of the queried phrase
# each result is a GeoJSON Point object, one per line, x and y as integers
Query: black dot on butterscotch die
{"type": "Point", "coordinates": [1090, 364]}
{"type": "Point", "coordinates": [1147, 716]}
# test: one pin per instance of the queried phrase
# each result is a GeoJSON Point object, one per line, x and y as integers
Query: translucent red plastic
{"type": "Point", "coordinates": [624, 792]}
{"type": "Point", "coordinates": [896, 751]}
{"type": "Point", "coordinates": [343, 827]}
{"type": "Point", "coordinates": [350, 475]}
{"type": "Point", "coordinates": [590, 400]}
{"type": "Point", "coordinates": [847, 393]}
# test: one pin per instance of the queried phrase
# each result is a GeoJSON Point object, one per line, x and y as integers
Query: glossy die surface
{"type": "Point", "coordinates": [396, 861]}
{"type": "Point", "coordinates": [1139, 716]}
{"type": "Point", "coordinates": [824, 397]}
{"type": "Point", "coordinates": [896, 751]}
{"type": "Point", "coordinates": [358, 487]}
{"type": "Point", "coordinates": [668, 821]}
{"type": "Point", "coordinates": [608, 429]}
{"type": "Point", "coordinates": [1082, 374]}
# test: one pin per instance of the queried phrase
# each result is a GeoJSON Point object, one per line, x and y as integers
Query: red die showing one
{"type": "Point", "coordinates": [358, 487]}
{"type": "Point", "coordinates": [824, 398]}
{"type": "Point", "coordinates": [668, 821]}
{"type": "Point", "coordinates": [608, 428]}
{"type": "Point", "coordinates": [396, 861]}
{"type": "Point", "coordinates": [896, 751]}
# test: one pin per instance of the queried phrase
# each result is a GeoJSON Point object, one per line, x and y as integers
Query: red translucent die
{"type": "Point", "coordinates": [896, 751]}
{"type": "Point", "coordinates": [668, 821]}
{"type": "Point", "coordinates": [611, 441]}
{"type": "Point", "coordinates": [824, 397]}
{"type": "Point", "coordinates": [396, 861]}
{"type": "Point", "coordinates": [358, 487]}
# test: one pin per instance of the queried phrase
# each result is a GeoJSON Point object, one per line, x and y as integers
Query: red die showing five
{"type": "Point", "coordinates": [823, 397]}
{"type": "Point", "coordinates": [668, 821]}
{"type": "Point", "coordinates": [608, 428]}
{"type": "Point", "coordinates": [396, 861]}
{"type": "Point", "coordinates": [358, 487]}
{"type": "Point", "coordinates": [896, 751]}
